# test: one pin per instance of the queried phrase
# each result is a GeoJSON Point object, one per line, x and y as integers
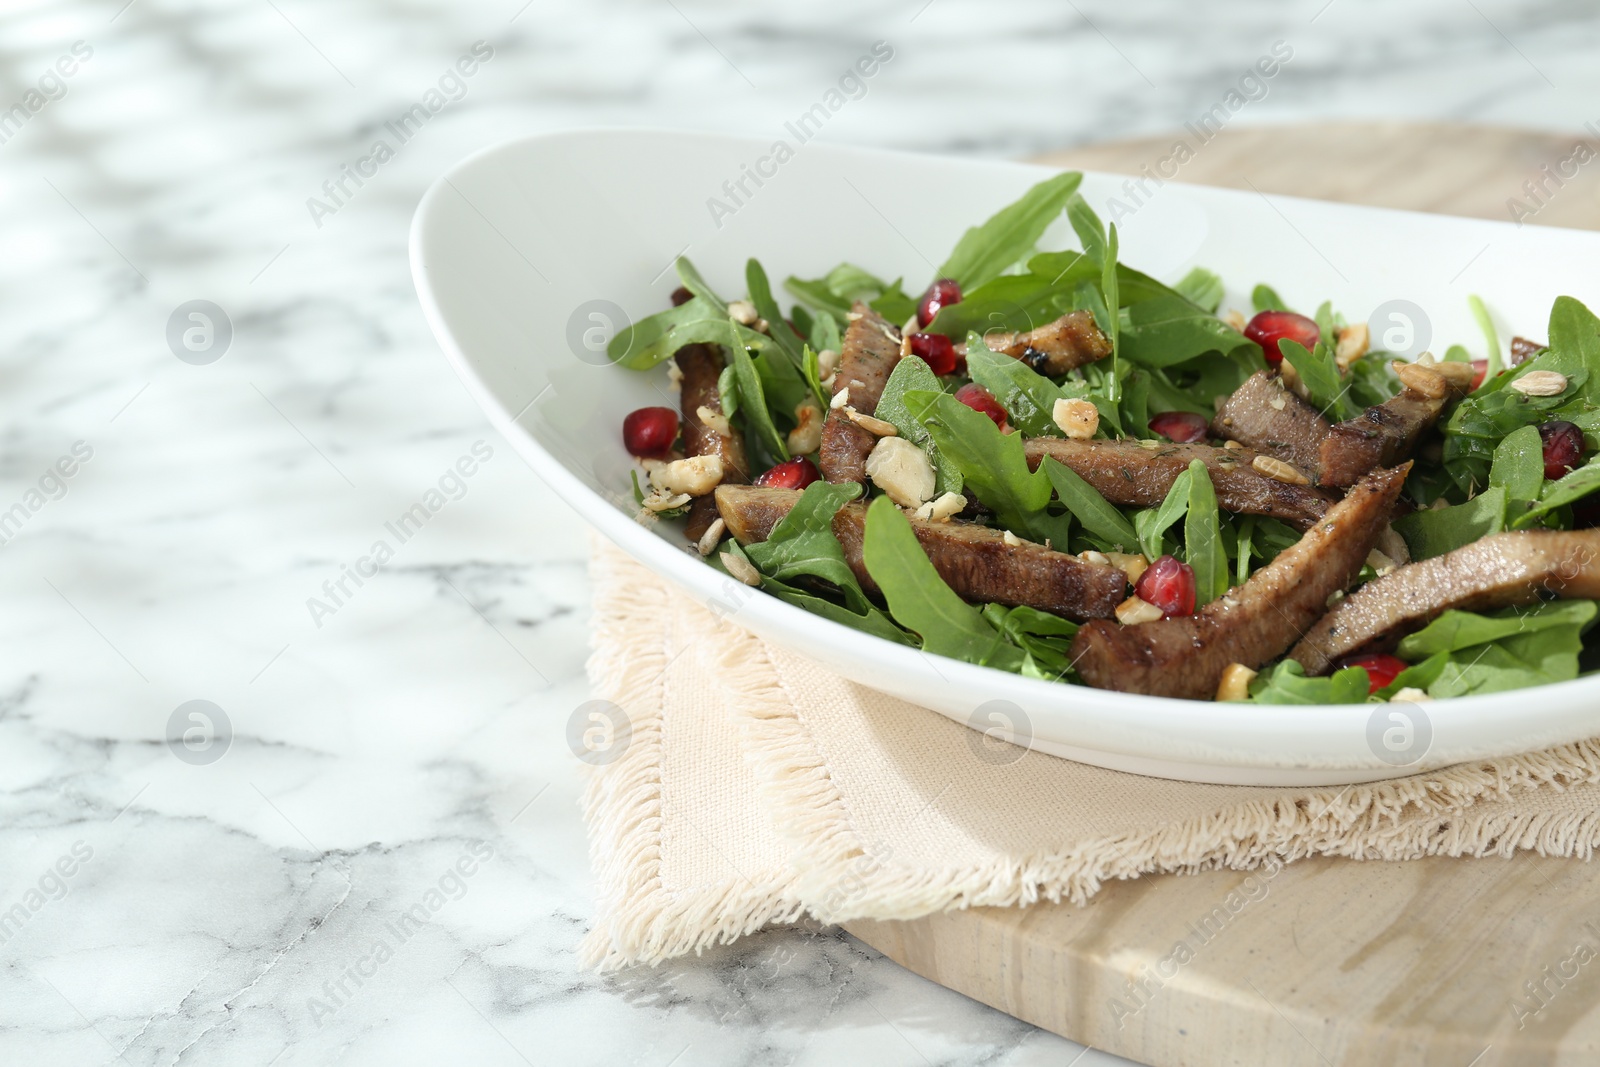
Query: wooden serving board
{"type": "Point", "coordinates": [1455, 963]}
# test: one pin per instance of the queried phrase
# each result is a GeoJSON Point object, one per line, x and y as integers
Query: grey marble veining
{"type": "Point", "coordinates": [158, 909]}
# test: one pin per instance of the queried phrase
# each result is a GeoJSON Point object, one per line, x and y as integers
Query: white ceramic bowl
{"type": "Point", "coordinates": [518, 249]}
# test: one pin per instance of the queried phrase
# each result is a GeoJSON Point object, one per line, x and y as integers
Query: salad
{"type": "Point", "coordinates": [1050, 463]}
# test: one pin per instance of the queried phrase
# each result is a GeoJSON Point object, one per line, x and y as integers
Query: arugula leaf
{"type": "Point", "coordinates": [1433, 532]}
{"type": "Point", "coordinates": [1165, 330]}
{"type": "Point", "coordinates": [802, 543]}
{"type": "Point", "coordinates": [643, 344]}
{"type": "Point", "coordinates": [1512, 649]}
{"type": "Point", "coordinates": [874, 622]}
{"type": "Point", "coordinates": [911, 374]}
{"type": "Point", "coordinates": [1288, 684]}
{"type": "Point", "coordinates": [1152, 523]}
{"type": "Point", "coordinates": [992, 465]}
{"type": "Point", "coordinates": [690, 277]}
{"type": "Point", "coordinates": [1491, 338]}
{"type": "Point", "coordinates": [1570, 487]}
{"type": "Point", "coordinates": [1457, 630]}
{"type": "Point", "coordinates": [1098, 515]}
{"type": "Point", "coordinates": [1265, 298]}
{"type": "Point", "coordinates": [1327, 326]}
{"type": "Point", "coordinates": [1046, 638]}
{"type": "Point", "coordinates": [987, 251]}
{"type": "Point", "coordinates": [752, 400]}
{"type": "Point", "coordinates": [1372, 381]}
{"type": "Point", "coordinates": [1202, 537]}
{"type": "Point", "coordinates": [824, 333]}
{"type": "Point", "coordinates": [1574, 346]}
{"type": "Point", "coordinates": [1478, 424]}
{"type": "Point", "coordinates": [1319, 373]}
{"type": "Point", "coordinates": [837, 290]}
{"type": "Point", "coordinates": [755, 279]}
{"type": "Point", "coordinates": [1417, 676]}
{"type": "Point", "coordinates": [1519, 469]}
{"type": "Point", "coordinates": [1028, 396]}
{"type": "Point", "coordinates": [1202, 288]}
{"type": "Point", "coordinates": [921, 601]}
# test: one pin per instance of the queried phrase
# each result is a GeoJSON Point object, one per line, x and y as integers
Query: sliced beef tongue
{"type": "Point", "coordinates": [1254, 623]}
{"type": "Point", "coordinates": [1131, 474]}
{"type": "Point", "coordinates": [975, 561]}
{"type": "Point", "coordinates": [701, 365]}
{"type": "Point", "coordinates": [1496, 572]}
{"type": "Point", "coordinates": [1055, 348]}
{"type": "Point", "coordinates": [1390, 432]}
{"type": "Point", "coordinates": [871, 348]}
{"type": "Point", "coordinates": [1265, 415]}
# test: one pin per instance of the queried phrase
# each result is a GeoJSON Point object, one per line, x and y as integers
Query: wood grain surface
{"type": "Point", "coordinates": [1438, 962]}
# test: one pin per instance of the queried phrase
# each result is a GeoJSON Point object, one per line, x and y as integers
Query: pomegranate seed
{"type": "Point", "coordinates": [1184, 427]}
{"type": "Point", "coordinates": [1381, 668]}
{"type": "Point", "coordinates": [1480, 369]}
{"type": "Point", "coordinates": [1563, 447]}
{"type": "Point", "coordinates": [797, 473]}
{"type": "Point", "coordinates": [937, 350]}
{"type": "Point", "coordinates": [940, 294]}
{"type": "Point", "coordinates": [681, 296]}
{"type": "Point", "coordinates": [1270, 327]}
{"type": "Point", "coordinates": [980, 399]}
{"type": "Point", "coordinates": [1169, 585]}
{"type": "Point", "coordinates": [649, 432]}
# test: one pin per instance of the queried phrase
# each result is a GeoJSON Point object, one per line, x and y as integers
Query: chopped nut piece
{"type": "Point", "coordinates": [743, 312]}
{"type": "Point", "coordinates": [1352, 345]}
{"type": "Point", "coordinates": [741, 568]}
{"type": "Point", "coordinates": [942, 507]}
{"type": "Point", "coordinates": [1278, 470]}
{"type": "Point", "coordinates": [715, 421]}
{"type": "Point", "coordinates": [1235, 684]}
{"type": "Point", "coordinates": [762, 326]}
{"type": "Point", "coordinates": [1078, 419]}
{"type": "Point", "coordinates": [696, 476]}
{"type": "Point", "coordinates": [1421, 378]}
{"type": "Point", "coordinates": [674, 376]}
{"type": "Point", "coordinates": [1095, 557]}
{"type": "Point", "coordinates": [1012, 539]}
{"type": "Point", "coordinates": [1541, 383]}
{"type": "Point", "coordinates": [1131, 564]}
{"type": "Point", "coordinates": [708, 540]}
{"type": "Point", "coordinates": [1409, 694]}
{"type": "Point", "coordinates": [1236, 319]}
{"type": "Point", "coordinates": [902, 470]}
{"type": "Point", "coordinates": [1380, 562]}
{"type": "Point", "coordinates": [664, 500]}
{"type": "Point", "coordinates": [806, 437]}
{"type": "Point", "coordinates": [1133, 611]}
{"type": "Point", "coordinates": [827, 363]}
{"type": "Point", "coordinates": [840, 399]}
{"type": "Point", "coordinates": [1289, 378]}
{"type": "Point", "coordinates": [874, 426]}
{"type": "Point", "coordinates": [1231, 444]}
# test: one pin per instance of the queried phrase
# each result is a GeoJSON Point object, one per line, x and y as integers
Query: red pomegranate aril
{"type": "Point", "coordinates": [1480, 370]}
{"type": "Point", "coordinates": [935, 349]}
{"type": "Point", "coordinates": [940, 294]}
{"type": "Point", "coordinates": [797, 473]}
{"type": "Point", "coordinates": [1563, 447]}
{"type": "Point", "coordinates": [649, 432]}
{"type": "Point", "coordinates": [1168, 584]}
{"type": "Point", "coordinates": [1381, 668]}
{"type": "Point", "coordinates": [1184, 427]}
{"type": "Point", "coordinates": [1270, 327]}
{"type": "Point", "coordinates": [981, 400]}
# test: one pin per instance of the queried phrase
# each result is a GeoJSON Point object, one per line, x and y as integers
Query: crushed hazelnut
{"type": "Point", "coordinates": [1078, 419]}
{"type": "Point", "coordinates": [1133, 611]}
{"type": "Point", "coordinates": [1353, 342]}
{"type": "Point", "coordinates": [1235, 684]}
{"type": "Point", "coordinates": [806, 437]}
{"type": "Point", "coordinates": [714, 421]}
{"type": "Point", "coordinates": [695, 476]}
{"type": "Point", "coordinates": [743, 312]}
{"type": "Point", "coordinates": [942, 507]}
{"type": "Point", "coordinates": [902, 470]}
{"type": "Point", "coordinates": [1131, 564]}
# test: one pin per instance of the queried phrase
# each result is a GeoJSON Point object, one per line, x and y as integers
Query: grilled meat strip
{"type": "Point", "coordinates": [973, 560]}
{"type": "Point", "coordinates": [1131, 475]}
{"type": "Point", "coordinates": [1263, 414]}
{"type": "Point", "coordinates": [701, 365]}
{"type": "Point", "coordinates": [1056, 347]}
{"type": "Point", "coordinates": [1382, 436]}
{"type": "Point", "coordinates": [1496, 572]}
{"type": "Point", "coordinates": [1253, 623]}
{"type": "Point", "coordinates": [871, 348]}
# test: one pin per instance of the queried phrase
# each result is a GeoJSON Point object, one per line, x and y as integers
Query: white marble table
{"type": "Point", "coordinates": [401, 749]}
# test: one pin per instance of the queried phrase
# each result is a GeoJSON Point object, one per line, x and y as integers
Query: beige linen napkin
{"type": "Point", "coordinates": [751, 786]}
